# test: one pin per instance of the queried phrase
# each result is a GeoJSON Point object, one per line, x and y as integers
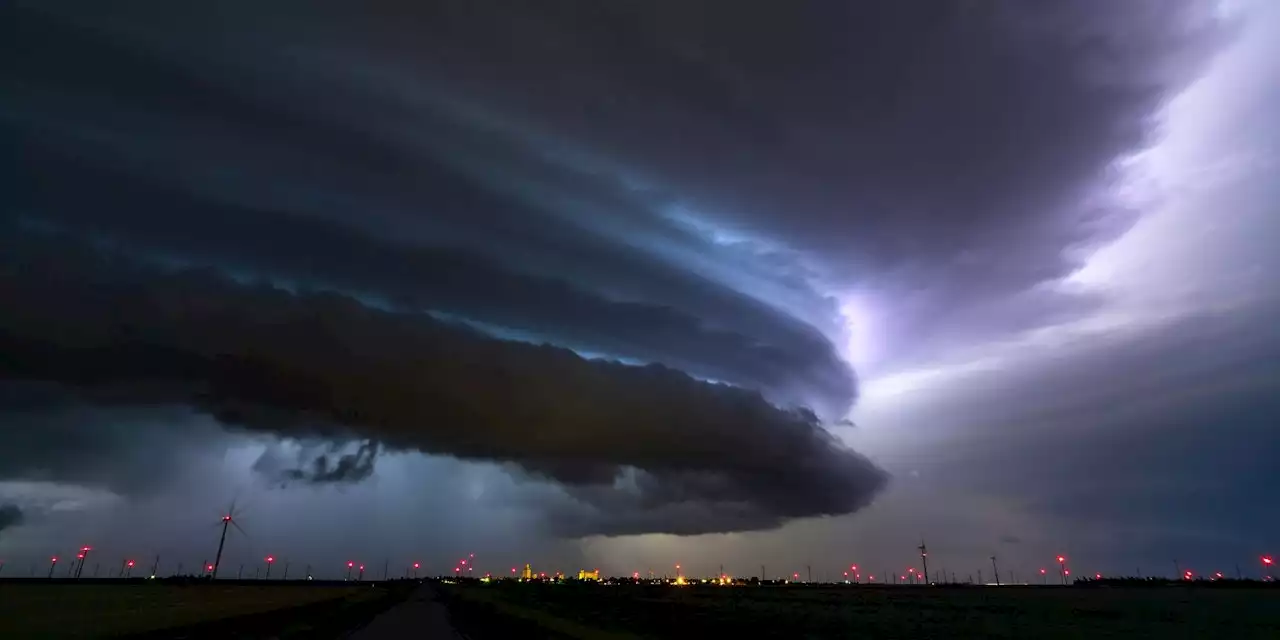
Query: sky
{"type": "Point", "coordinates": [626, 285]}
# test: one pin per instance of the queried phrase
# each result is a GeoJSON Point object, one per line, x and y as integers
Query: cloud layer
{"type": "Point", "coordinates": [10, 516]}
{"type": "Point", "coordinates": [641, 440]}
{"type": "Point", "coordinates": [335, 224]}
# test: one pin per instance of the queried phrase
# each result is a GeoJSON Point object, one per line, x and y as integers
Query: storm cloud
{"type": "Point", "coordinates": [323, 365]}
{"type": "Point", "coordinates": [635, 263]}
{"type": "Point", "coordinates": [668, 156]}
{"type": "Point", "coordinates": [10, 516]}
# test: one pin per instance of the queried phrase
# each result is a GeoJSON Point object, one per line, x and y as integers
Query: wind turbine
{"type": "Point", "coordinates": [924, 559]}
{"type": "Point", "coordinates": [228, 520]}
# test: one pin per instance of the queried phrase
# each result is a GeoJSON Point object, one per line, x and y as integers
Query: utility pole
{"type": "Point", "coordinates": [924, 559]}
{"type": "Point", "coordinates": [995, 570]}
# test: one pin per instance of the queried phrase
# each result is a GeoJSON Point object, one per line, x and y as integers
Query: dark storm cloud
{"type": "Point", "coordinates": [953, 150]}
{"type": "Point", "coordinates": [509, 262]}
{"type": "Point", "coordinates": [331, 467]}
{"type": "Point", "coordinates": [322, 365]}
{"type": "Point", "coordinates": [693, 183]}
{"type": "Point", "coordinates": [785, 358]}
{"type": "Point", "coordinates": [933, 154]}
{"type": "Point", "coordinates": [10, 516]}
{"type": "Point", "coordinates": [49, 435]}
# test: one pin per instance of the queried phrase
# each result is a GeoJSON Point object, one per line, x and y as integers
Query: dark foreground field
{"type": "Point", "coordinates": [617, 612]}
{"type": "Point", "coordinates": [153, 610]}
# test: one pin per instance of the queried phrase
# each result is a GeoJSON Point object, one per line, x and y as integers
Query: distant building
{"type": "Point", "coordinates": [594, 574]}
{"type": "Point", "coordinates": [527, 574]}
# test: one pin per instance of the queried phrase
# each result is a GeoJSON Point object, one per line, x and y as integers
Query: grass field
{"type": "Point", "coordinates": [35, 609]}
{"type": "Point", "coordinates": [619, 612]}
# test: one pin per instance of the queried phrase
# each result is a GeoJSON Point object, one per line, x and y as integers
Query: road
{"type": "Point", "coordinates": [421, 616]}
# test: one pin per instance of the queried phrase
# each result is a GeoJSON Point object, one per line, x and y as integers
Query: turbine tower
{"type": "Point", "coordinates": [228, 520]}
{"type": "Point", "coordinates": [924, 560]}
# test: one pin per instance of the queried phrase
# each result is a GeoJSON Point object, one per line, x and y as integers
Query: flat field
{"type": "Point", "coordinates": [39, 609]}
{"type": "Point", "coordinates": [620, 612]}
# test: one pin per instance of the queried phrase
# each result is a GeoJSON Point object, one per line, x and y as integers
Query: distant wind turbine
{"type": "Point", "coordinates": [228, 520]}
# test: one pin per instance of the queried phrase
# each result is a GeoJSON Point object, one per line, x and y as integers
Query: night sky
{"type": "Point", "coordinates": [631, 284]}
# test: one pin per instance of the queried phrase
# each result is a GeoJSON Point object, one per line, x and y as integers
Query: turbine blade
{"type": "Point", "coordinates": [239, 528]}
